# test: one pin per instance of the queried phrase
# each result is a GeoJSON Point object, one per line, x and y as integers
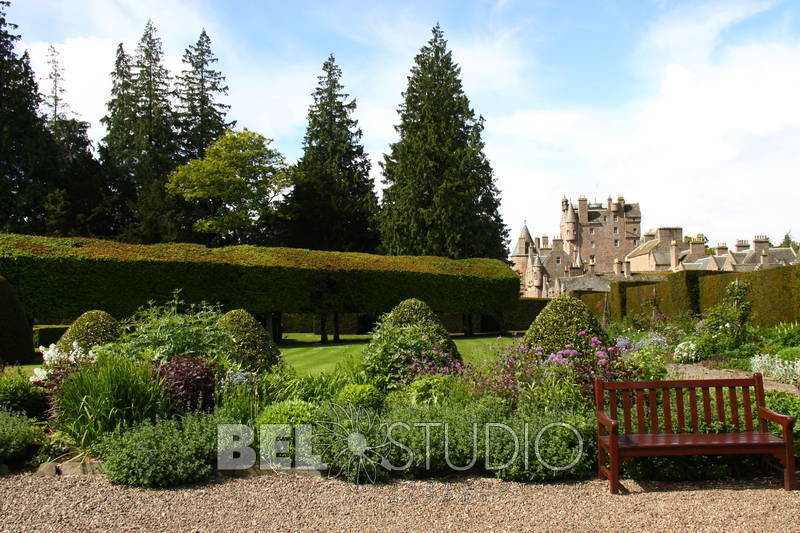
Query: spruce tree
{"type": "Point", "coordinates": [333, 205]}
{"type": "Point", "coordinates": [27, 165]}
{"type": "Point", "coordinates": [55, 103]}
{"type": "Point", "coordinates": [154, 141]}
{"type": "Point", "coordinates": [201, 117]}
{"type": "Point", "coordinates": [441, 197]}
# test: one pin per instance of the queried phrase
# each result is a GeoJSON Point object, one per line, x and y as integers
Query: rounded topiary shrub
{"type": "Point", "coordinates": [410, 334]}
{"type": "Point", "coordinates": [560, 323]}
{"type": "Point", "coordinates": [16, 337]}
{"type": "Point", "coordinates": [91, 329]}
{"type": "Point", "coordinates": [253, 345]}
{"type": "Point", "coordinates": [367, 396]}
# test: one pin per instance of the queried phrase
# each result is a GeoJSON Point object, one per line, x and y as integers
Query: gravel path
{"type": "Point", "coordinates": [290, 503]}
{"type": "Point", "coordinates": [698, 371]}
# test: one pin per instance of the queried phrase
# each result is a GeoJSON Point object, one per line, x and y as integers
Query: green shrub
{"type": "Point", "coordinates": [789, 354]}
{"type": "Point", "coordinates": [292, 412]}
{"type": "Point", "coordinates": [16, 340]}
{"type": "Point", "coordinates": [92, 328]}
{"type": "Point", "coordinates": [367, 396]}
{"type": "Point", "coordinates": [241, 397]}
{"type": "Point", "coordinates": [17, 435]}
{"type": "Point", "coordinates": [788, 404]}
{"type": "Point", "coordinates": [783, 335]}
{"type": "Point", "coordinates": [162, 453]}
{"type": "Point", "coordinates": [18, 394]}
{"type": "Point", "coordinates": [112, 394]}
{"type": "Point", "coordinates": [559, 324]}
{"type": "Point", "coordinates": [414, 312]}
{"type": "Point", "coordinates": [283, 383]}
{"type": "Point", "coordinates": [435, 389]}
{"type": "Point", "coordinates": [161, 332]}
{"type": "Point", "coordinates": [409, 334]}
{"type": "Point", "coordinates": [252, 344]}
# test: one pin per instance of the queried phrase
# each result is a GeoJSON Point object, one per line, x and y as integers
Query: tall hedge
{"type": "Point", "coordinates": [58, 279]}
{"type": "Point", "coordinates": [16, 338]}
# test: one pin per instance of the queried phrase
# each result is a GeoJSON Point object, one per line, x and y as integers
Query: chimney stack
{"type": "Point", "coordinates": [760, 243]}
{"type": "Point", "coordinates": [674, 255]}
{"type": "Point", "coordinates": [617, 267]}
{"type": "Point", "coordinates": [742, 245]}
{"type": "Point", "coordinates": [545, 241]}
{"type": "Point", "coordinates": [722, 248]}
{"type": "Point", "coordinates": [591, 267]}
{"type": "Point", "coordinates": [697, 249]}
{"type": "Point", "coordinates": [627, 268]}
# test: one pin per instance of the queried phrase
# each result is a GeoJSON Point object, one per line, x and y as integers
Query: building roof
{"type": "Point", "coordinates": [524, 238]}
{"type": "Point", "coordinates": [644, 248]}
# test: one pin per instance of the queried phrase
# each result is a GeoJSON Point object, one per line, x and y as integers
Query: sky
{"type": "Point", "coordinates": [691, 108]}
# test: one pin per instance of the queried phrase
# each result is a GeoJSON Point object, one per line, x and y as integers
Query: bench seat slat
{"type": "Point", "coordinates": [692, 440]}
{"type": "Point", "coordinates": [685, 384]}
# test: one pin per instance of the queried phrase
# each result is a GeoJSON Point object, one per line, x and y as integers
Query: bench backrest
{"type": "Point", "coordinates": [687, 406]}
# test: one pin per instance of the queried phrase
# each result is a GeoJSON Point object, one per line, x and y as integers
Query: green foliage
{"type": "Point", "coordinates": [253, 347]}
{"type": "Point", "coordinates": [92, 328]}
{"type": "Point", "coordinates": [241, 176]}
{"type": "Point", "coordinates": [786, 404]}
{"type": "Point", "coordinates": [367, 396]}
{"type": "Point", "coordinates": [18, 394]}
{"type": "Point", "coordinates": [284, 384]}
{"type": "Point", "coordinates": [17, 435]}
{"type": "Point", "coordinates": [112, 394]}
{"type": "Point", "coordinates": [58, 279]}
{"type": "Point", "coordinates": [241, 397]}
{"type": "Point", "coordinates": [292, 412]}
{"type": "Point", "coordinates": [333, 205]}
{"type": "Point", "coordinates": [162, 453]}
{"type": "Point", "coordinates": [434, 390]}
{"type": "Point", "coordinates": [551, 389]}
{"type": "Point", "coordinates": [15, 335]}
{"type": "Point", "coordinates": [559, 324]}
{"type": "Point", "coordinates": [789, 354]}
{"type": "Point", "coordinates": [783, 335]}
{"type": "Point", "coordinates": [441, 197]}
{"type": "Point", "coordinates": [161, 332]}
{"type": "Point", "coordinates": [725, 327]}
{"type": "Point", "coordinates": [650, 359]}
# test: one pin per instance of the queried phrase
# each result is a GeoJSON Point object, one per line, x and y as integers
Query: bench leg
{"type": "Point", "coordinates": [788, 470]}
{"type": "Point", "coordinates": [613, 474]}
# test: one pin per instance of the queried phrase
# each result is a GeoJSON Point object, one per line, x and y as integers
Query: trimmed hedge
{"type": "Point", "coordinates": [16, 339]}
{"type": "Point", "coordinates": [520, 319]}
{"type": "Point", "coordinates": [58, 279]}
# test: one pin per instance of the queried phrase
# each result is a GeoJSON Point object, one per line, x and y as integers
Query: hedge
{"type": "Point", "coordinates": [16, 339]}
{"type": "Point", "coordinates": [775, 294]}
{"type": "Point", "coordinates": [59, 278]}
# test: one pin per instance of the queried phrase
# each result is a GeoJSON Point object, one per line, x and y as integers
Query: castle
{"type": "Point", "coordinates": [600, 243]}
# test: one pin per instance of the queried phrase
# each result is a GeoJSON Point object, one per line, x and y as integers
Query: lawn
{"type": "Point", "coordinates": [304, 352]}
{"type": "Point", "coordinates": [27, 370]}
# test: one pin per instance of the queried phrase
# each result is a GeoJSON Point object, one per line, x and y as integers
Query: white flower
{"type": "Point", "coordinates": [39, 374]}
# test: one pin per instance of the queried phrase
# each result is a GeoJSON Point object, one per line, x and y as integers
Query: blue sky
{"type": "Point", "coordinates": [690, 108]}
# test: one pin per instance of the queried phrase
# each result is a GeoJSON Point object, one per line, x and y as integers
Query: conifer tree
{"type": "Point", "coordinates": [26, 147]}
{"type": "Point", "coordinates": [441, 197]}
{"type": "Point", "coordinates": [55, 103]}
{"type": "Point", "coordinates": [201, 117]}
{"type": "Point", "coordinates": [333, 205]}
{"type": "Point", "coordinates": [154, 141]}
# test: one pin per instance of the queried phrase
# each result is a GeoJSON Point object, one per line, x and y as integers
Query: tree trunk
{"type": "Point", "coordinates": [467, 324]}
{"type": "Point", "coordinates": [277, 327]}
{"type": "Point", "coordinates": [323, 328]}
{"type": "Point", "coordinates": [335, 327]}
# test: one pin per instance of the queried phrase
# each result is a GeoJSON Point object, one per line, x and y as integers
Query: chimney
{"type": "Point", "coordinates": [760, 243]}
{"type": "Point", "coordinates": [591, 267]}
{"type": "Point", "coordinates": [742, 245]}
{"type": "Point", "coordinates": [621, 203]}
{"type": "Point", "coordinates": [697, 248]}
{"type": "Point", "coordinates": [649, 236]}
{"type": "Point", "coordinates": [538, 242]}
{"type": "Point", "coordinates": [617, 267]}
{"type": "Point", "coordinates": [545, 241]}
{"type": "Point", "coordinates": [627, 268]}
{"type": "Point", "coordinates": [674, 255]}
{"type": "Point", "coordinates": [722, 249]}
{"type": "Point", "coordinates": [583, 209]}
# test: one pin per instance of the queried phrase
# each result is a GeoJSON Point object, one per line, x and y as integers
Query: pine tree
{"type": "Point", "coordinates": [200, 117]}
{"type": "Point", "coordinates": [333, 205]}
{"type": "Point", "coordinates": [26, 147]}
{"type": "Point", "coordinates": [154, 141]}
{"type": "Point", "coordinates": [441, 197]}
{"type": "Point", "coordinates": [117, 150]}
{"type": "Point", "coordinates": [54, 102]}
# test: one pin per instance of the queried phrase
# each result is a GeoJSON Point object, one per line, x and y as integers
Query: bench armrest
{"type": "Point", "coordinates": [786, 422]}
{"type": "Point", "coordinates": [611, 425]}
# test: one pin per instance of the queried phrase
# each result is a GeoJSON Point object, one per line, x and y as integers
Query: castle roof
{"type": "Point", "coordinates": [644, 248]}
{"type": "Point", "coordinates": [524, 238]}
{"type": "Point", "coordinates": [571, 214]}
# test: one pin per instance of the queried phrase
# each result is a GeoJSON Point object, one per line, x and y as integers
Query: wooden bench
{"type": "Point", "coordinates": [642, 432]}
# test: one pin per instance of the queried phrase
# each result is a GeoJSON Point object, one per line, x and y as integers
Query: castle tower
{"type": "Point", "coordinates": [524, 241]}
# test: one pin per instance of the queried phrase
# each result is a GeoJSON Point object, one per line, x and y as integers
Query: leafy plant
{"type": "Point", "coordinates": [115, 393]}
{"type": "Point", "coordinates": [777, 367]}
{"type": "Point", "coordinates": [162, 453]}
{"type": "Point", "coordinates": [241, 397]}
{"type": "Point", "coordinates": [253, 347]}
{"type": "Point", "coordinates": [17, 435]}
{"type": "Point", "coordinates": [189, 382]}
{"type": "Point", "coordinates": [92, 328]}
{"type": "Point", "coordinates": [559, 325]}
{"type": "Point", "coordinates": [18, 394]}
{"type": "Point", "coordinates": [367, 396]}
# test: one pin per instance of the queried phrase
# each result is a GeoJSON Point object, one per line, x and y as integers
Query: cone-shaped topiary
{"type": "Point", "coordinates": [92, 328]}
{"type": "Point", "coordinates": [409, 334]}
{"type": "Point", "coordinates": [560, 324]}
{"type": "Point", "coordinates": [253, 345]}
{"type": "Point", "coordinates": [16, 338]}
{"type": "Point", "coordinates": [413, 312]}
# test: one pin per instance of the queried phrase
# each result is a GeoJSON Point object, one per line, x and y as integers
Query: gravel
{"type": "Point", "coordinates": [700, 371]}
{"type": "Point", "coordinates": [290, 503]}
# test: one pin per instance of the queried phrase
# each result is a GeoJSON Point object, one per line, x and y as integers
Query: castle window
{"type": "Point", "coordinates": [616, 243]}
{"type": "Point", "coordinates": [591, 231]}
{"type": "Point", "coordinates": [592, 244]}
{"type": "Point", "coordinates": [591, 258]}
{"type": "Point", "coordinates": [636, 242]}
{"type": "Point", "coordinates": [616, 218]}
{"type": "Point", "coordinates": [616, 231]}
{"type": "Point", "coordinates": [558, 260]}
{"type": "Point", "coordinates": [605, 218]}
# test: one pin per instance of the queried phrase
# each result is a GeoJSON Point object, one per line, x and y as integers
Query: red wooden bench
{"type": "Point", "coordinates": [642, 432]}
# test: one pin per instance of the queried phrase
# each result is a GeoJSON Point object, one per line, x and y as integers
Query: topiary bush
{"type": "Point", "coordinates": [17, 435]}
{"type": "Point", "coordinates": [560, 324]}
{"type": "Point", "coordinates": [162, 453]}
{"type": "Point", "coordinates": [18, 394]}
{"type": "Point", "coordinates": [367, 396]}
{"type": "Point", "coordinates": [92, 328]}
{"type": "Point", "coordinates": [253, 346]}
{"type": "Point", "coordinates": [411, 333]}
{"type": "Point", "coordinates": [189, 381]}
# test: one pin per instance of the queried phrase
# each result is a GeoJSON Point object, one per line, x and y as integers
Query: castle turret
{"type": "Point", "coordinates": [571, 224]}
{"type": "Point", "coordinates": [524, 242]}
{"type": "Point", "coordinates": [538, 270]}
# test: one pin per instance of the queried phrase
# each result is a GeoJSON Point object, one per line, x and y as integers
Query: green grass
{"type": "Point", "coordinates": [27, 370]}
{"type": "Point", "coordinates": [304, 352]}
